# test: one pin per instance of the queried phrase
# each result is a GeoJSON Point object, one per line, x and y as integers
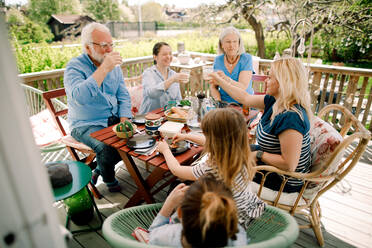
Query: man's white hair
{"type": "Point", "coordinates": [86, 33]}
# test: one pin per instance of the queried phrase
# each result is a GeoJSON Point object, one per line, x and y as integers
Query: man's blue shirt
{"type": "Point", "coordinates": [89, 104]}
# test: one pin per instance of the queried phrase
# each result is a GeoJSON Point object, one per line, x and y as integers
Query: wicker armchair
{"type": "Point", "coordinates": [274, 228]}
{"type": "Point", "coordinates": [329, 165]}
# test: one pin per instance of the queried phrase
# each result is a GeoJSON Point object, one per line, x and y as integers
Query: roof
{"type": "Point", "coordinates": [68, 19]}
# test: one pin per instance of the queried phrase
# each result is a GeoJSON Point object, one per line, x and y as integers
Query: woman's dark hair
{"type": "Point", "coordinates": [156, 48]}
{"type": "Point", "coordinates": [209, 214]}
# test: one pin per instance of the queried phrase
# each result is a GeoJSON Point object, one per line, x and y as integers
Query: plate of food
{"type": "Point", "coordinates": [179, 147]}
{"type": "Point", "coordinates": [178, 114]}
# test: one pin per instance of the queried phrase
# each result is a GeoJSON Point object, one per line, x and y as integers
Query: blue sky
{"type": "Point", "coordinates": [177, 3]}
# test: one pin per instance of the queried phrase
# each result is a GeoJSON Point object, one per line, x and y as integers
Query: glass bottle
{"type": "Point", "coordinates": [201, 110]}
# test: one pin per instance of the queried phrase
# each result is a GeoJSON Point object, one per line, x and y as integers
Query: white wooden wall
{"type": "Point", "coordinates": [27, 218]}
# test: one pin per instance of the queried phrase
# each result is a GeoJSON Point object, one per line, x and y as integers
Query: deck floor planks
{"type": "Point", "coordinates": [347, 217]}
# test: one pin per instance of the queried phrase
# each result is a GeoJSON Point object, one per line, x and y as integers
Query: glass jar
{"type": "Point", "coordinates": [79, 207]}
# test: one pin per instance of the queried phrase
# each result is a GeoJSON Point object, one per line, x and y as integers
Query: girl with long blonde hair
{"type": "Point", "coordinates": [283, 131]}
{"type": "Point", "coordinates": [227, 157]}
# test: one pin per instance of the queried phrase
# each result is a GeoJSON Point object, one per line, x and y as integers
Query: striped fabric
{"type": "Point", "coordinates": [248, 204]}
{"type": "Point", "coordinates": [270, 143]}
{"type": "Point", "coordinates": [268, 134]}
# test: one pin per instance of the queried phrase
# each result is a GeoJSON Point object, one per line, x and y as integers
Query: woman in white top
{"type": "Point", "coordinates": [160, 83]}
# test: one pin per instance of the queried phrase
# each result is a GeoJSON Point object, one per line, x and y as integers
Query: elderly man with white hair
{"type": "Point", "coordinates": [97, 97]}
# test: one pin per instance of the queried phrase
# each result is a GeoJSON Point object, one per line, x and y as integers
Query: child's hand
{"type": "Point", "coordinates": [179, 137]}
{"type": "Point", "coordinates": [173, 200]}
{"type": "Point", "coordinates": [177, 194]}
{"type": "Point", "coordinates": [162, 146]}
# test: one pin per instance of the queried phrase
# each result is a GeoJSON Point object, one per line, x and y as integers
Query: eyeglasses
{"type": "Point", "coordinates": [104, 45]}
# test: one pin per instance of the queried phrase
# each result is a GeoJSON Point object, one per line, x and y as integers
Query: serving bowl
{"type": "Point", "coordinates": [183, 58]}
{"type": "Point", "coordinates": [125, 135]}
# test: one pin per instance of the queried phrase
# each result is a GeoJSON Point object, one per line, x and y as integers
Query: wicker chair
{"type": "Point", "coordinates": [274, 228]}
{"type": "Point", "coordinates": [327, 169]}
{"type": "Point", "coordinates": [54, 150]}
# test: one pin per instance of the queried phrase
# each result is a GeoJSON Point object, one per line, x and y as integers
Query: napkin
{"type": "Point", "coordinates": [146, 151]}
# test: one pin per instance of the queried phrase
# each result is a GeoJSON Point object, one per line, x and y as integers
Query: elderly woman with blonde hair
{"type": "Point", "coordinates": [283, 131]}
{"type": "Point", "coordinates": [234, 63]}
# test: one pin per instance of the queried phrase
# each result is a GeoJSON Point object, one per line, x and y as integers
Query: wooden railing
{"type": "Point", "coordinates": [350, 87]}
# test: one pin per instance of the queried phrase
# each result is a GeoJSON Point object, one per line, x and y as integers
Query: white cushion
{"type": "Point", "coordinates": [270, 195]}
{"type": "Point", "coordinates": [45, 130]}
{"type": "Point", "coordinates": [68, 140]}
{"type": "Point", "coordinates": [324, 140]}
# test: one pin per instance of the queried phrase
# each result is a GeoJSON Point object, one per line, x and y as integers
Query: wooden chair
{"type": "Point", "coordinates": [45, 132]}
{"type": "Point", "coordinates": [329, 165]}
{"type": "Point", "coordinates": [73, 146]}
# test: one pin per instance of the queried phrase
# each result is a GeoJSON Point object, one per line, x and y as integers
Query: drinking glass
{"type": "Point", "coordinates": [206, 71]}
{"type": "Point", "coordinates": [186, 71]}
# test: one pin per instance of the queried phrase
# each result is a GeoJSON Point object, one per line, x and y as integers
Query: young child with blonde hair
{"type": "Point", "coordinates": [226, 156]}
{"type": "Point", "coordinates": [208, 217]}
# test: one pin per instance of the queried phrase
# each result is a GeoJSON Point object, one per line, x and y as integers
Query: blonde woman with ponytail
{"type": "Point", "coordinates": [283, 131]}
{"type": "Point", "coordinates": [227, 157]}
{"type": "Point", "coordinates": [207, 213]}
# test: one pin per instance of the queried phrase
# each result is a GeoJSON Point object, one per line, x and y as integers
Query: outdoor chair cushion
{"type": "Point", "coordinates": [270, 195]}
{"type": "Point", "coordinates": [324, 140]}
{"type": "Point", "coordinates": [45, 130]}
{"type": "Point", "coordinates": [68, 140]}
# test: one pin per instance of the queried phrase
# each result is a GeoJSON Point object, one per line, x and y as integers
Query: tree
{"type": "Point", "coordinates": [151, 11]}
{"type": "Point", "coordinates": [249, 10]}
{"type": "Point", "coordinates": [347, 18]}
{"type": "Point", "coordinates": [23, 30]}
{"type": "Point", "coordinates": [102, 10]}
{"type": "Point", "coordinates": [41, 10]}
{"type": "Point", "coordinates": [340, 23]}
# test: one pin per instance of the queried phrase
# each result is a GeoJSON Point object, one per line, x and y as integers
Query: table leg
{"type": "Point", "coordinates": [143, 188]}
{"type": "Point", "coordinates": [156, 175]}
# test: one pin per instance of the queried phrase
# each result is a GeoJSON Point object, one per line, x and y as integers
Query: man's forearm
{"type": "Point", "coordinates": [100, 74]}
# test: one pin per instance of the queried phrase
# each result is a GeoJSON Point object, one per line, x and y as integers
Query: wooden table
{"type": "Point", "coordinates": [145, 186]}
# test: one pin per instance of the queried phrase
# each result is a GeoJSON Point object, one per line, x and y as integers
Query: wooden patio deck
{"type": "Point", "coordinates": [346, 209]}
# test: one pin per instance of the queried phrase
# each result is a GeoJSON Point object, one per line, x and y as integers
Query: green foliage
{"type": "Point", "coordinates": [34, 58]}
{"type": "Point", "coordinates": [31, 58]}
{"type": "Point", "coordinates": [151, 11]}
{"type": "Point", "coordinates": [347, 49]}
{"type": "Point", "coordinates": [41, 10]}
{"type": "Point", "coordinates": [23, 30]}
{"type": "Point", "coordinates": [278, 44]}
{"type": "Point", "coordinates": [176, 25]}
{"type": "Point", "coordinates": [103, 10]}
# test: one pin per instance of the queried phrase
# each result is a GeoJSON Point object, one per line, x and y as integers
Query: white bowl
{"type": "Point", "coordinates": [183, 58]}
{"type": "Point", "coordinates": [170, 128]}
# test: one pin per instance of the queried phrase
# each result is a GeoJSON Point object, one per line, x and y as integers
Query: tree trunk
{"type": "Point", "coordinates": [258, 31]}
